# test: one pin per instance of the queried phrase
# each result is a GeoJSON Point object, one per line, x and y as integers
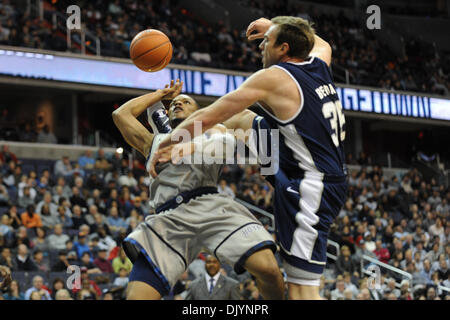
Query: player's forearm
{"type": "Point", "coordinates": [321, 49]}
{"type": "Point", "coordinates": [138, 105]}
{"type": "Point", "coordinates": [221, 110]}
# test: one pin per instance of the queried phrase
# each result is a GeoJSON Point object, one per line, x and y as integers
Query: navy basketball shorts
{"type": "Point", "coordinates": [304, 211]}
{"type": "Point", "coordinates": [305, 205]}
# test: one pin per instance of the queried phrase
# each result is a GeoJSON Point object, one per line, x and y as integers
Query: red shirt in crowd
{"type": "Point", "coordinates": [382, 254]}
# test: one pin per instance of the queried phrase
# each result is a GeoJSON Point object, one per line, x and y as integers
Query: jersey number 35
{"type": "Point", "coordinates": [333, 111]}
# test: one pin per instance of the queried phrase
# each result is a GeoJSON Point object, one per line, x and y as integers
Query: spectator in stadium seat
{"type": "Point", "coordinates": [6, 259]}
{"type": "Point", "coordinates": [8, 177]}
{"type": "Point", "coordinates": [122, 279]}
{"type": "Point", "coordinates": [391, 288]}
{"type": "Point", "coordinates": [48, 220]}
{"type": "Point", "coordinates": [349, 285]}
{"type": "Point", "coordinates": [36, 295]}
{"type": "Point", "coordinates": [30, 219]}
{"type": "Point", "coordinates": [431, 293]}
{"type": "Point", "coordinates": [344, 262]}
{"type": "Point", "coordinates": [57, 284]}
{"type": "Point", "coordinates": [57, 194]}
{"type": "Point", "coordinates": [87, 292]}
{"type": "Point", "coordinates": [426, 271]}
{"type": "Point", "coordinates": [121, 261]}
{"type": "Point", "coordinates": [433, 254]}
{"type": "Point", "coordinates": [77, 198]}
{"type": "Point", "coordinates": [434, 199]}
{"type": "Point", "coordinates": [14, 292]}
{"type": "Point", "coordinates": [114, 222]}
{"type": "Point", "coordinates": [46, 136]}
{"type": "Point", "coordinates": [102, 262]}
{"type": "Point", "coordinates": [6, 230]}
{"type": "Point", "coordinates": [225, 189]}
{"type": "Point", "coordinates": [63, 294]}
{"type": "Point", "coordinates": [23, 259]}
{"type": "Point", "coordinates": [6, 155]}
{"type": "Point", "coordinates": [48, 201]}
{"type": "Point", "coordinates": [62, 264]}
{"type": "Point", "coordinates": [26, 198]}
{"type": "Point", "coordinates": [369, 241]}
{"type": "Point", "coordinates": [99, 222]}
{"type": "Point", "coordinates": [338, 293]}
{"type": "Point", "coordinates": [127, 179]}
{"type": "Point", "coordinates": [95, 199]}
{"type": "Point", "coordinates": [77, 217]}
{"type": "Point", "coordinates": [140, 205]}
{"type": "Point", "coordinates": [105, 241]}
{"type": "Point", "coordinates": [81, 245]}
{"type": "Point", "coordinates": [436, 229]}
{"type": "Point", "coordinates": [57, 240]}
{"type": "Point", "coordinates": [443, 270]}
{"type": "Point", "coordinates": [21, 238]}
{"type": "Point", "coordinates": [125, 201]}
{"type": "Point", "coordinates": [63, 168]}
{"type": "Point", "coordinates": [101, 162]}
{"type": "Point", "coordinates": [359, 252]}
{"type": "Point", "coordinates": [66, 191]}
{"type": "Point", "coordinates": [4, 195]}
{"type": "Point", "coordinates": [86, 262]}
{"type": "Point", "coordinates": [15, 220]}
{"type": "Point", "coordinates": [40, 261]}
{"type": "Point", "coordinates": [40, 241]}
{"type": "Point", "coordinates": [443, 208]}
{"type": "Point", "coordinates": [87, 161]}
{"type": "Point", "coordinates": [64, 218]}
{"type": "Point", "coordinates": [27, 134]}
{"type": "Point", "coordinates": [38, 286]}
{"type": "Point", "coordinates": [94, 182]}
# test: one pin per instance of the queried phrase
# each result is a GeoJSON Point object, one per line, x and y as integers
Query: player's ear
{"type": "Point", "coordinates": [284, 48]}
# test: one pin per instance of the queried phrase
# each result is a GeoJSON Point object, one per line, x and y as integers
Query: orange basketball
{"type": "Point", "coordinates": [151, 50]}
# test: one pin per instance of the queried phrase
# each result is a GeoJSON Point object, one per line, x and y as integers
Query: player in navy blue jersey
{"type": "Point", "coordinates": [297, 97]}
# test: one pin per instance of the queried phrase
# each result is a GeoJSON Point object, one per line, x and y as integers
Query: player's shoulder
{"type": "Point", "coordinates": [268, 76]}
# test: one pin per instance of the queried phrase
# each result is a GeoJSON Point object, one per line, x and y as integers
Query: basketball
{"type": "Point", "coordinates": [151, 50]}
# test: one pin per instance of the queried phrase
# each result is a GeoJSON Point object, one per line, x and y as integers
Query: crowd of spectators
{"type": "Point", "coordinates": [79, 212]}
{"type": "Point", "coordinates": [368, 60]}
{"type": "Point", "coordinates": [195, 42]}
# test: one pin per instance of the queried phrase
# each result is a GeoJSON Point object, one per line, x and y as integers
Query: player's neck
{"type": "Point", "coordinates": [290, 59]}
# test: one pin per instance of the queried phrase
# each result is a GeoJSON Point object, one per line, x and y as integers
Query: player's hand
{"type": "Point", "coordinates": [172, 90]}
{"type": "Point", "coordinates": [260, 26]}
{"type": "Point", "coordinates": [173, 153]}
{"type": "Point", "coordinates": [5, 273]}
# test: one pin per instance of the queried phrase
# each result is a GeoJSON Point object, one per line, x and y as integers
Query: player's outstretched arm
{"type": "Point", "coordinates": [125, 117]}
{"type": "Point", "coordinates": [255, 88]}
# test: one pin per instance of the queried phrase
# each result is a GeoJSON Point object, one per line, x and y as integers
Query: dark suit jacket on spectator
{"type": "Point", "coordinates": [225, 289]}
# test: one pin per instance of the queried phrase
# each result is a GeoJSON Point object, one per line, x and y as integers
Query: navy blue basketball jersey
{"type": "Point", "coordinates": [312, 140]}
{"type": "Point", "coordinates": [310, 176]}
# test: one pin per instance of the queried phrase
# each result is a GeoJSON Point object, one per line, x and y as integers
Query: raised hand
{"type": "Point", "coordinates": [260, 26]}
{"type": "Point", "coordinates": [171, 91]}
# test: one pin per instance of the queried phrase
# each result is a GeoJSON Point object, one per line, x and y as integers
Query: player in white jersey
{"type": "Point", "coordinates": [190, 214]}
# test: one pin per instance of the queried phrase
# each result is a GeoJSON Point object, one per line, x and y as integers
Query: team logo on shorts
{"type": "Point", "coordinates": [246, 231]}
